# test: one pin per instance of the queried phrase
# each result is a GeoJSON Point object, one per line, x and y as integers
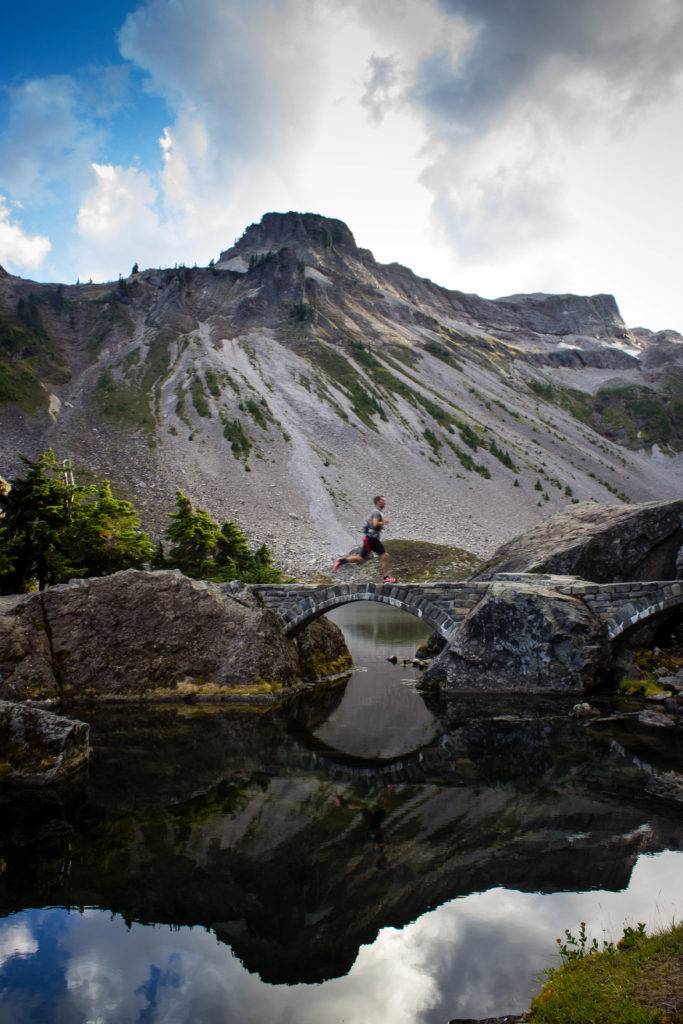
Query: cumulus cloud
{"type": "Point", "coordinates": [118, 217]}
{"type": "Point", "coordinates": [16, 940]}
{"type": "Point", "coordinates": [448, 133]}
{"type": "Point", "coordinates": [543, 75]}
{"type": "Point", "coordinates": [55, 129]}
{"type": "Point", "coordinates": [18, 249]}
{"type": "Point", "coordinates": [380, 86]}
{"type": "Point", "coordinates": [246, 68]}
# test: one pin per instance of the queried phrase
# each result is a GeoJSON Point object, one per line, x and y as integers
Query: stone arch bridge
{"type": "Point", "coordinates": [444, 605]}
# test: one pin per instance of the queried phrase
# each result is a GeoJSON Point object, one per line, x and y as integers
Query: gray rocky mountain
{"type": "Point", "coordinates": [290, 381]}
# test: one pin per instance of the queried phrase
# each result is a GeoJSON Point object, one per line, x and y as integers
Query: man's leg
{"type": "Point", "coordinates": [354, 557]}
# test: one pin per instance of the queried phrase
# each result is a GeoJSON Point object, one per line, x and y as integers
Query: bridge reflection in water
{"type": "Point", "coordinates": [381, 715]}
{"type": "Point", "coordinates": [296, 855]}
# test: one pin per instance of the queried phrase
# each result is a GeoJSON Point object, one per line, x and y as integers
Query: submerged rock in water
{"type": "Point", "coordinates": [37, 747]}
{"type": "Point", "coordinates": [155, 635]}
{"type": "Point", "coordinates": [524, 637]}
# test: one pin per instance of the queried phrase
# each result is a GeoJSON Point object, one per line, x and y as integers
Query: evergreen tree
{"type": "Point", "coordinates": [53, 529]}
{"type": "Point", "coordinates": [135, 270]}
{"type": "Point", "coordinates": [35, 513]}
{"type": "Point", "coordinates": [234, 558]}
{"type": "Point", "coordinates": [194, 536]}
{"type": "Point", "coordinates": [203, 550]}
{"type": "Point", "coordinates": [104, 535]}
{"type": "Point", "coordinates": [263, 570]}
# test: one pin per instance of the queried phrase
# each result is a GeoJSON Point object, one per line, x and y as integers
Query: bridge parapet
{"type": "Point", "coordinates": [444, 604]}
{"type": "Point", "coordinates": [620, 605]}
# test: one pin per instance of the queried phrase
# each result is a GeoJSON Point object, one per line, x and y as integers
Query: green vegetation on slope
{"type": "Point", "coordinates": [128, 393]}
{"type": "Point", "coordinates": [638, 981]}
{"type": "Point", "coordinates": [28, 357]}
{"type": "Point", "coordinates": [632, 415]}
{"type": "Point", "coordinates": [342, 374]}
{"type": "Point", "coordinates": [233, 431]}
{"type": "Point", "coordinates": [53, 529]}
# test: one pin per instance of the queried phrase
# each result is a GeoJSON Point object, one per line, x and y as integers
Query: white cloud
{"type": "Point", "coordinates": [451, 135]}
{"type": "Point", "coordinates": [18, 249]}
{"type": "Point", "coordinates": [16, 940]}
{"type": "Point", "coordinates": [117, 222]}
{"type": "Point", "coordinates": [54, 130]}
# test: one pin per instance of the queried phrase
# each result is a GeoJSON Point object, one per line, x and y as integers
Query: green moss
{"type": "Point", "coordinates": [647, 686]}
{"type": "Point", "coordinates": [636, 982]}
{"type": "Point", "coordinates": [317, 666]}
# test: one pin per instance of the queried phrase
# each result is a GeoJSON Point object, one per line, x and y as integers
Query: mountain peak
{"type": "Point", "coordinates": [300, 231]}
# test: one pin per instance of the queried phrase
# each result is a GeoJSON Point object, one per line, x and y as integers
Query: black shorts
{"type": "Point", "coordinates": [372, 544]}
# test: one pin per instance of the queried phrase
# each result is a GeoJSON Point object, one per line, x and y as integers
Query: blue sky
{"type": "Point", "coordinates": [495, 147]}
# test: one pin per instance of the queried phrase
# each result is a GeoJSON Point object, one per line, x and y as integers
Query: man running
{"type": "Point", "coordinates": [374, 525]}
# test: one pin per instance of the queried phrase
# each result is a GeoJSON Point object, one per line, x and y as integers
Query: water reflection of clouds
{"type": "Point", "coordinates": [16, 940]}
{"type": "Point", "coordinates": [475, 956]}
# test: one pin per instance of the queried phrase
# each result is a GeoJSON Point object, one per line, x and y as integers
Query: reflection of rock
{"type": "Point", "coordinates": [147, 634]}
{"type": "Point", "coordinates": [239, 830]}
{"type": "Point", "coordinates": [603, 543]}
{"type": "Point", "coordinates": [656, 719]}
{"type": "Point", "coordinates": [523, 637]}
{"type": "Point", "coordinates": [37, 747]}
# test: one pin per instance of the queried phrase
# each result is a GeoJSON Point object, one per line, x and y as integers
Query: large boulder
{"type": "Point", "coordinates": [602, 543]}
{"type": "Point", "coordinates": [157, 635]}
{"type": "Point", "coordinates": [523, 638]}
{"type": "Point", "coordinates": [37, 747]}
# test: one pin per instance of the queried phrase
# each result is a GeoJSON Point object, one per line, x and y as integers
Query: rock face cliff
{"type": "Point", "coordinates": [602, 543]}
{"type": "Point", "coordinates": [152, 636]}
{"type": "Point", "coordinates": [524, 638]}
{"type": "Point", "coordinates": [286, 383]}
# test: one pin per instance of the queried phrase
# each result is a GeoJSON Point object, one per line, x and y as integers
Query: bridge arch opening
{"type": "Point", "coordinates": [659, 616]}
{"type": "Point", "coordinates": [381, 715]}
{"type": "Point", "coordinates": [300, 612]}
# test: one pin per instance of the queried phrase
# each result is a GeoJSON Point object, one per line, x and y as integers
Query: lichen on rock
{"type": "Point", "coordinates": [523, 637]}
{"type": "Point", "coordinates": [38, 747]}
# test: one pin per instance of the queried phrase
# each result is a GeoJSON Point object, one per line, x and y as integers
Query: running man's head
{"type": "Point", "coordinates": [379, 501]}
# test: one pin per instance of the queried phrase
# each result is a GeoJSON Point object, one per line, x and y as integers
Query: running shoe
{"type": "Point", "coordinates": [390, 579]}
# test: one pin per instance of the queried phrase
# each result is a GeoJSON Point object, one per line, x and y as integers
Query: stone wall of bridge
{"type": "Point", "coordinates": [444, 604]}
